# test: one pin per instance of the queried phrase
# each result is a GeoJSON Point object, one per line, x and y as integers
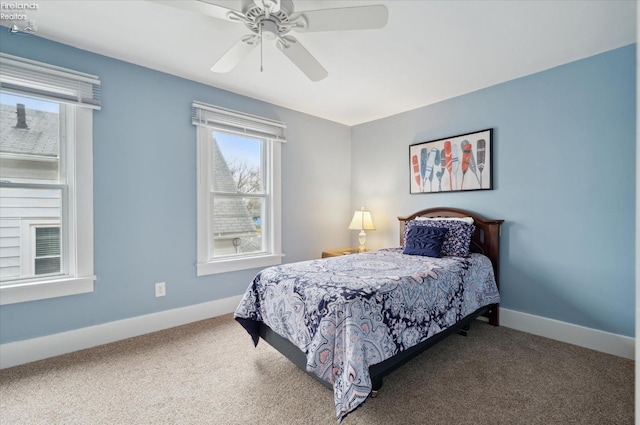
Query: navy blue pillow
{"type": "Point", "coordinates": [424, 240]}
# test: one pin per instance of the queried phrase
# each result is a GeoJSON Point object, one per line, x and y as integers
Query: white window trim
{"type": "Point", "coordinates": [80, 262]}
{"type": "Point", "coordinates": [207, 266]}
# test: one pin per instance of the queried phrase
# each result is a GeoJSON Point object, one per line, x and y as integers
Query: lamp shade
{"type": "Point", "coordinates": [362, 221]}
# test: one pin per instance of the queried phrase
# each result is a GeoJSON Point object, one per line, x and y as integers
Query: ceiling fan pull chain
{"type": "Point", "coordinates": [260, 46]}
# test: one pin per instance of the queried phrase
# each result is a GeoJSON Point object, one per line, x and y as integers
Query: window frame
{"type": "Point", "coordinates": [77, 154]}
{"type": "Point", "coordinates": [271, 157]}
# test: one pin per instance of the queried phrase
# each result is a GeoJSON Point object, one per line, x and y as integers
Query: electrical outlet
{"type": "Point", "coordinates": [161, 289]}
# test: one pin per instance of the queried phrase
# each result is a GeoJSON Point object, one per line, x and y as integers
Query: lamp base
{"type": "Point", "coordinates": [362, 238]}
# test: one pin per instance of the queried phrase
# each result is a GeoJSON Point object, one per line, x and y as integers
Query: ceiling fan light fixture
{"type": "Point", "coordinates": [269, 29]}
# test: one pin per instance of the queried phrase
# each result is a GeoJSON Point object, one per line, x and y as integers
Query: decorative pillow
{"type": "Point", "coordinates": [457, 240]}
{"type": "Point", "coordinates": [425, 241]}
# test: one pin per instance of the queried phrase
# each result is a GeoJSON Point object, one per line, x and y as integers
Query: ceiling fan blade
{"type": "Point", "coordinates": [270, 6]}
{"type": "Point", "coordinates": [201, 7]}
{"type": "Point", "coordinates": [302, 58]}
{"type": "Point", "coordinates": [343, 19]}
{"type": "Point", "coordinates": [236, 53]}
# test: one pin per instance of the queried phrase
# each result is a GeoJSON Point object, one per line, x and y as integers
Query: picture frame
{"type": "Point", "coordinates": [452, 164]}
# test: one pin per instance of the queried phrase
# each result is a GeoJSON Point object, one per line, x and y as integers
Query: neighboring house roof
{"type": "Point", "coordinates": [231, 215]}
{"type": "Point", "coordinates": [40, 138]}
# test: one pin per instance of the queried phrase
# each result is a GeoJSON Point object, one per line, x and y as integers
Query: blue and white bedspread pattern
{"type": "Point", "coordinates": [350, 312]}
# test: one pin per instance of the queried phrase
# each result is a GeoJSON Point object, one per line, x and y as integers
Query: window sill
{"type": "Point", "coordinates": [23, 292]}
{"type": "Point", "coordinates": [235, 264]}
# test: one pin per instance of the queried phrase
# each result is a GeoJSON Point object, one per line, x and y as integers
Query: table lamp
{"type": "Point", "coordinates": [362, 221]}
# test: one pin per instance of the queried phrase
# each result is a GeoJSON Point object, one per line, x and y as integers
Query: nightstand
{"type": "Point", "coordinates": [341, 251]}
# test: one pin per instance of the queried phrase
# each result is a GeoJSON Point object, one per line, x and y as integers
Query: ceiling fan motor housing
{"type": "Point", "coordinates": [273, 25]}
{"type": "Point", "coordinates": [269, 29]}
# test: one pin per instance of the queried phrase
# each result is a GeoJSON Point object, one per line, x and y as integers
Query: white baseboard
{"type": "Point", "coordinates": [618, 345]}
{"type": "Point", "coordinates": [20, 352]}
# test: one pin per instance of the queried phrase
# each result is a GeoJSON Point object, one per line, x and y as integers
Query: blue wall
{"type": "Point", "coordinates": [564, 180]}
{"type": "Point", "coordinates": [145, 193]}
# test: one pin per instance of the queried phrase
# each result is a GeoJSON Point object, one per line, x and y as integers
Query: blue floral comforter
{"type": "Point", "coordinates": [350, 312]}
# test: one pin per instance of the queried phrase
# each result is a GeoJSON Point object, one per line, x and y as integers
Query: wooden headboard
{"type": "Point", "coordinates": [485, 240]}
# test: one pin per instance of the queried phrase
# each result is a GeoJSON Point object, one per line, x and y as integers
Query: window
{"type": "Point", "coordinates": [41, 248]}
{"type": "Point", "coordinates": [46, 180]}
{"type": "Point", "coordinates": [238, 190]}
{"type": "Point", "coordinates": [46, 259]}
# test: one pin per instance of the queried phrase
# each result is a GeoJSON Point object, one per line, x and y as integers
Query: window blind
{"type": "Point", "coordinates": [47, 241]}
{"type": "Point", "coordinates": [237, 122]}
{"type": "Point", "coordinates": [24, 76]}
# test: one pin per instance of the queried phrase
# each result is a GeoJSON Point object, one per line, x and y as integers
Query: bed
{"type": "Point", "coordinates": [349, 321]}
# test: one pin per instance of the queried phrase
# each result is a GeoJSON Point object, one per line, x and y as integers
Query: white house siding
{"type": "Point", "coordinates": [19, 209]}
{"type": "Point", "coordinates": [31, 168]}
{"type": "Point", "coordinates": [9, 248]}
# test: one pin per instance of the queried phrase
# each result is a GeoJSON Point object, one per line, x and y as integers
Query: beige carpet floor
{"type": "Point", "coordinates": [209, 373]}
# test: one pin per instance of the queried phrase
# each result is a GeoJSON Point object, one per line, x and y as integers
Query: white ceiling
{"type": "Point", "coordinates": [429, 51]}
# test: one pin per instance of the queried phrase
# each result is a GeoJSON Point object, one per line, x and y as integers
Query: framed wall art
{"type": "Point", "coordinates": [452, 164]}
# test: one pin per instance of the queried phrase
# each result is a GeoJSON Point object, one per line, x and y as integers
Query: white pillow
{"type": "Point", "coordinates": [468, 220]}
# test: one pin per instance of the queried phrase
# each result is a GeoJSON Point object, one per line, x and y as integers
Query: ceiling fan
{"type": "Point", "coordinates": [275, 19]}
